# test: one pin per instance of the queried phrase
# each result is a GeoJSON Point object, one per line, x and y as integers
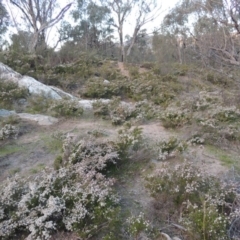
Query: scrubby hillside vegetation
{"type": "Point", "coordinates": [144, 148]}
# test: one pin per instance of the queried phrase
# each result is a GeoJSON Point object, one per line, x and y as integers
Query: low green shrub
{"type": "Point", "coordinates": [8, 131]}
{"type": "Point", "coordinates": [202, 202]}
{"type": "Point", "coordinates": [97, 88]}
{"type": "Point", "coordinates": [136, 225]}
{"type": "Point", "coordinates": [170, 148]}
{"type": "Point", "coordinates": [108, 71]}
{"type": "Point", "coordinates": [226, 114]}
{"type": "Point", "coordinates": [114, 110]}
{"type": "Point", "coordinates": [148, 65]}
{"type": "Point", "coordinates": [196, 140]}
{"type": "Point", "coordinates": [181, 69]}
{"type": "Point", "coordinates": [12, 120]}
{"type": "Point", "coordinates": [75, 198]}
{"type": "Point", "coordinates": [66, 108]}
{"type": "Point", "coordinates": [57, 164]}
{"type": "Point", "coordinates": [129, 139]}
{"type": "Point", "coordinates": [206, 221]}
{"type": "Point", "coordinates": [38, 104]}
{"type": "Point", "coordinates": [10, 93]}
{"type": "Point", "coordinates": [133, 71]}
{"type": "Point", "coordinates": [173, 118]}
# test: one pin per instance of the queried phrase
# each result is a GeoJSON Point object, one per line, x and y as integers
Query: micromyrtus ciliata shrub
{"type": "Point", "coordinates": [75, 198]}
{"type": "Point", "coordinates": [202, 202]}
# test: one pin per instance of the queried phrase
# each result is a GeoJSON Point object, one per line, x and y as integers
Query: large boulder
{"type": "Point", "coordinates": [33, 86]}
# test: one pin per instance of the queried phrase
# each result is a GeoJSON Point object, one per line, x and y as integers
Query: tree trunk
{"type": "Point", "coordinates": [136, 30]}
{"type": "Point", "coordinates": [121, 44]}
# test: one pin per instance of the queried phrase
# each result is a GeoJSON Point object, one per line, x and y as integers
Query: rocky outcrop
{"type": "Point", "coordinates": [33, 86]}
{"type": "Point", "coordinates": [36, 87]}
{"type": "Point", "coordinates": [39, 118]}
{"type": "Point", "coordinates": [6, 113]}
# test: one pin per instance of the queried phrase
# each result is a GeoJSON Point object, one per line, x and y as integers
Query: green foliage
{"type": "Point", "coordinates": [108, 71]}
{"type": "Point", "coordinates": [173, 118]}
{"type": "Point", "coordinates": [8, 131]}
{"type": "Point", "coordinates": [170, 147]}
{"type": "Point", "coordinates": [38, 104]}
{"type": "Point", "coordinates": [133, 71]}
{"type": "Point", "coordinates": [128, 140]}
{"type": "Point", "coordinates": [10, 93]}
{"type": "Point", "coordinates": [57, 164]}
{"type": "Point", "coordinates": [12, 119]}
{"type": "Point", "coordinates": [114, 110]}
{"type": "Point", "coordinates": [217, 79]}
{"type": "Point", "coordinates": [148, 65]}
{"type": "Point", "coordinates": [97, 88]}
{"type": "Point", "coordinates": [145, 111]}
{"type": "Point", "coordinates": [10, 149]}
{"type": "Point", "coordinates": [230, 114]}
{"type": "Point", "coordinates": [66, 108]}
{"type": "Point", "coordinates": [53, 142]}
{"type": "Point", "coordinates": [4, 20]}
{"type": "Point", "coordinates": [184, 182]}
{"type": "Point", "coordinates": [206, 222]}
{"type": "Point", "coordinates": [38, 168]}
{"type": "Point", "coordinates": [181, 69]}
{"type": "Point", "coordinates": [202, 200]}
{"type": "Point", "coordinates": [137, 225]}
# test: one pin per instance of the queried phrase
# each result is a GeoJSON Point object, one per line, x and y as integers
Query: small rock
{"type": "Point", "coordinates": [106, 81]}
{"type": "Point", "coordinates": [40, 119]}
{"type": "Point", "coordinates": [6, 113]}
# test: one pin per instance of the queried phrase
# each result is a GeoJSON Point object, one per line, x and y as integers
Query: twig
{"type": "Point", "coordinates": [179, 226]}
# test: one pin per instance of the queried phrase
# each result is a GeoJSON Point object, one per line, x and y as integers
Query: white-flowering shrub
{"type": "Point", "coordinates": [203, 202]}
{"type": "Point", "coordinates": [170, 148]}
{"type": "Point", "coordinates": [121, 114]}
{"type": "Point", "coordinates": [146, 110]}
{"type": "Point", "coordinates": [172, 118]}
{"type": "Point", "coordinates": [206, 221]}
{"type": "Point", "coordinates": [129, 139]}
{"type": "Point", "coordinates": [220, 125]}
{"type": "Point", "coordinates": [77, 198]}
{"type": "Point", "coordinates": [139, 224]}
{"type": "Point", "coordinates": [206, 100]}
{"type": "Point", "coordinates": [196, 140]}
{"type": "Point", "coordinates": [10, 93]}
{"type": "Point", "coordinates": [115, 110]}
{"type": "Point", "coordinates": [8, 131]}
{"type": "Point", "coordinates": [226, 114]}
{"type": "Point", "coordinates": [67, 108]}
{"type": "Point", "coordinates": [94, 154]}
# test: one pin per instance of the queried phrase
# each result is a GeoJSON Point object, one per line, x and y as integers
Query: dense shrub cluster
{"type": "Point", "coordinates": [8, 131]}
{"type": "Point", "coordinates": [66, 108]}
{"type": "Point", "coordinates": [10, 93]}
{"type": "Point", "coordinates": [170, 148]}
{"type": "Point", "coordinates": [115, 110]}
{"type": "Point", "coordinates": [173, 118]}
{"type": "Point", "coordinates": [75, 198]}
{"type": "Point", "coordinates": [203, 202]}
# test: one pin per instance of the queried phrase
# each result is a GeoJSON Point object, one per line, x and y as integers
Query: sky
{"type": "Point", "coordinates": [128, 27]}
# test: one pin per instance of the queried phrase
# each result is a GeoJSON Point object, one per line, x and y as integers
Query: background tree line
{"type": "Point", "coordinates": [204, 32]}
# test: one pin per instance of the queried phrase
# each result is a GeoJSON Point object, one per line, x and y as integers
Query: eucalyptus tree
{"type": "Point", "coordinates": [39, 15]}
{"type": "Point", "coordinates": [143, 11]}
{"type": "Point", "coordinates": [4, 20]}
{"type": "Point", "coordinates": [210, 27]}
{"type": "Point", "coordinates": [91, 27]}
